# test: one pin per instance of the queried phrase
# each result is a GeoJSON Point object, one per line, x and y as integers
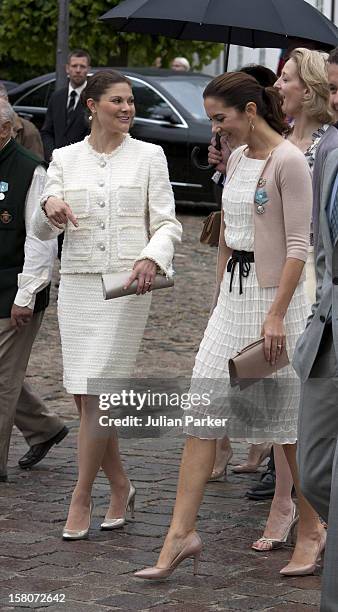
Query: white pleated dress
{"type": "Point", "coordinates": [267, 410]}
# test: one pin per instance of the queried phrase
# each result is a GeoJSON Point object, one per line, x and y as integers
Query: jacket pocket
{"type": "Point", "coordinates": [78, 244]}
{"type": "Point", "coordinates": [131, 239]}
{"type": "Point", "coordinates": [130, 201]}
{"type": "Point", "coordinates": [78, 200]}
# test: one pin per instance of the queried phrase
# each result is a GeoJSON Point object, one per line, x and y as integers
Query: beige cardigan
{"type": "Point", "coordinates": [283, 230]}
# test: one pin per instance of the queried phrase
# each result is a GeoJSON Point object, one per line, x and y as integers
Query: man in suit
{"type": "Point", "coordinates": [66, 120]}
{"type": "Point", "coordinates": [26, 266]}
{"type": "Point", "coordinates": [316, 362]}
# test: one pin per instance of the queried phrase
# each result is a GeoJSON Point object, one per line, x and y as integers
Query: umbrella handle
{"type": "Point", "coordinates": [195, 153]}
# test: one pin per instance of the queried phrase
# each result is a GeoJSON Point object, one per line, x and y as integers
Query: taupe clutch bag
{"type": "Point", "coordinates": [113, 284]}
{"type": "Point", "coordinates": [211, 229]}
{"type": "Point", "coordinates": [250, 365]}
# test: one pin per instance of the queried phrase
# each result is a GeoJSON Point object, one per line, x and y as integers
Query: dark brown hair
{"type": "Point", "coordinates": [237, 89]}
{"type": "Point", "coordinates": [78, 53]}
{"type": "Point", "coordinates": [99, 83]}
{"type": "Point", "coordinates": [262, 74]}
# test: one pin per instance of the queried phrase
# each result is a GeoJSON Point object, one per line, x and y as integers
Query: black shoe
{"type": "Point", "coordinates": [39, 451]}
{"type": "Point", "coordinates": [265, 489]}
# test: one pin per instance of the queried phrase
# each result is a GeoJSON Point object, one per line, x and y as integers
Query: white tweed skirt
{"type": "Point", "coordinates": [267, 410]}
{"type": "Point", "coordinates": [100, 338]}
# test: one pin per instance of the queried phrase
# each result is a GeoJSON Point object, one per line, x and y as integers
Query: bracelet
{"type": "Point", "coordinates": [43, 204]}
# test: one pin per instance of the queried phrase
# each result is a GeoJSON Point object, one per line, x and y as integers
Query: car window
{"type": "Point", "coordinates": [149, 104]}
{"type": "Point", "coordinates": [188, 92]}
{"type": "Point", "coordinates": [39, 96]}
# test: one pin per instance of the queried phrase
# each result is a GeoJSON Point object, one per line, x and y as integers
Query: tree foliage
{"type": "Point", "coordinates": [28, 33]}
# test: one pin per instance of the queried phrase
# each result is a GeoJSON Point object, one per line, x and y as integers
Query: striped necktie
{"type": "Point", "coordinates": [71, 103]}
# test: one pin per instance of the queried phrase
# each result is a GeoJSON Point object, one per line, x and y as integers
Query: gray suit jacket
{"type": "Point", "coordinates": [327, 281]}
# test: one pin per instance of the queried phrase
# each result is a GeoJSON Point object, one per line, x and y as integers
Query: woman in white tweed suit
{"type": "Point", "coordinates": [113, 197]}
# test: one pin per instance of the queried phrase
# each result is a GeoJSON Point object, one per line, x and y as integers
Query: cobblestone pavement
{"type": "Point", "coordinates": [96, 575]}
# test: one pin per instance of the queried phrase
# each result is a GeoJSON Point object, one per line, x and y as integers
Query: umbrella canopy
{"type": "Point", "coordinates": [251, 23]}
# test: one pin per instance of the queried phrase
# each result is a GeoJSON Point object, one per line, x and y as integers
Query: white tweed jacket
{"type": "Point", "coordinates": [124, 204]}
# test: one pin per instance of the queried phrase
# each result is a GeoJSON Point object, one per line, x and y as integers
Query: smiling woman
{"type": "Point", "coordinates": [266, 209]}
{"type": "Point", "coordinates": [112, 111]}
{"type": "Point", "coordinates": [111, 193]}
{"type": "Point", "coordinates": [230, 118]}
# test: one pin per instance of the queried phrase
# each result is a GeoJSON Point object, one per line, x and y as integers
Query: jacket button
{"type": "Point", "coordinates": [103, 164]}
{"type": "Point", "coordinates": [101, 183]}
{"type": "Point", "coordinates": [322, 318]}
{"type": "Point", "coordinates": [101, 246]}
{"type": "Point", "coordinates": [102, 225]}
{"type": "Point", "coordinates": [335, 280]}
{"type": "Point", "coordinates": [102, 204]}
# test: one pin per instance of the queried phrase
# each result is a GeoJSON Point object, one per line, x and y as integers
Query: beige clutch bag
{"type": "Point", "coordinates": [113, 284]}
{"type": "Point", "coordinates": [250, 365]}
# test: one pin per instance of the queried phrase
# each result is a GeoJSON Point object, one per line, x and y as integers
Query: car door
{"type": "Point", "coordinates": [157, 121]}
{"type": "Point", "coordinates": [33, 104]}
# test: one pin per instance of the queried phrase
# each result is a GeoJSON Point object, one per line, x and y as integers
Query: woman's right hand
{"type": "Point", "coordinates": [219, 159]}
{"type": "Point", "coordinates": [58, 212]}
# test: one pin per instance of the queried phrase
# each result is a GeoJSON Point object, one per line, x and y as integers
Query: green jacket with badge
{"type": "Point", "coordinates": [17, 166]}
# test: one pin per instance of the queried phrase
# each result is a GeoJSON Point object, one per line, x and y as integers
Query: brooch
{"type": "Point", "coordinates": [261, 199]}
{"type": "Point", "coordinates": [3, 189]}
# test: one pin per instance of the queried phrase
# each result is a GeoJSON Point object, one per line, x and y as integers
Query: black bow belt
{"type": "Point", "coordinates": [243, 258]}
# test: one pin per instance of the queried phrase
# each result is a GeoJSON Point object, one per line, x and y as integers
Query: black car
{"type": "Point", "coordinates": [169, 112]}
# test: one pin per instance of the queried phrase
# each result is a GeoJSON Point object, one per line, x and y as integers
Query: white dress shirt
{"type": "Point", "coordinates": [78, 90]}
{"type": "Point", "coordinates": [39, 256]}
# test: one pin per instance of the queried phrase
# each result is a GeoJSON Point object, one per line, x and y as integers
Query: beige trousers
{"type": "Point", "coordinates": [18, 403]}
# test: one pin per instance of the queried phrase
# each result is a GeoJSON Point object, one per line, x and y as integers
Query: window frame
{"type": "Point", "coordinates": [18, 102]}
{"type": "Point", "coordinates": [181, 125]}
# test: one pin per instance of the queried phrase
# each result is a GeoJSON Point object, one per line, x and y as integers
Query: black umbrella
{"type": "Point", "coordinates": [251, 23]}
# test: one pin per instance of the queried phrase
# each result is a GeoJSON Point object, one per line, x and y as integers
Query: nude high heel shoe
{"type": "Point", "coordinates": [114, 523]}
{"type": "Point", "coordinates": [262, 452]}
{"type": "Point", "coordinates": [78, 534]}
{"type": "Point", "coordinates": [306, 570]}
{"type": "Point", "coordinates": [289, 533]}
{"type": "Point", "coordinates": [191, 550]}
{"type": "Point", "coordinates": [222, 473]}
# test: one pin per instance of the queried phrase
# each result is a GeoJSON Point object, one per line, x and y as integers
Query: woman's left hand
{"type": "Point", "coordinates": [144, 271]}
{"type": "Point", "coordinates": [273, 331]}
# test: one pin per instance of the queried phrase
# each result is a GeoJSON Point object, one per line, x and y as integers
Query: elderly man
{"type": "Point", "coordinates": [24, 131]}
{"type": "Point", "coordinates": [25, 271]}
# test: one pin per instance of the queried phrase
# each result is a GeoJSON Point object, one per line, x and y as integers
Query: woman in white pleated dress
{"type": "Point", "coordinates": [112, 195]}
{"type": "Point", "coordinates": [267, 202]}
